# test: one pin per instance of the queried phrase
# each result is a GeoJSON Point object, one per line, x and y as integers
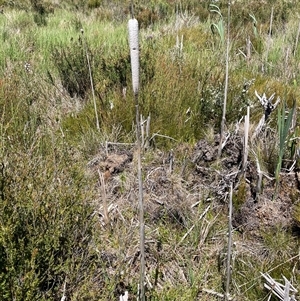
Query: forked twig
{"type": "Point", "coordinates": [269, 107]}
{"type": "Point", "coordinates": [279, 290]}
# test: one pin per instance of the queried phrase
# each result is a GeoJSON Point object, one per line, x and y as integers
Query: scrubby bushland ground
{"type": "Point", "coordinates": [58, 172]}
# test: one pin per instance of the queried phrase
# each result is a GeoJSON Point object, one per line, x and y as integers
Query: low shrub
{"type": "Point", "coordinates": [46, 225]}
{"type": "Point", "coordinates": [71, 64]}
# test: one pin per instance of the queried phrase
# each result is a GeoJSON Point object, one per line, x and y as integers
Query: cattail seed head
{"type": "Point", "coordinates": [133, 28]}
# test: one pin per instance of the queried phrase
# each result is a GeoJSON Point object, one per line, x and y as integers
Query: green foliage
{"type": "Point", "coordinates": [293, 145]}
{"type": "Point", "coordinates": [76, 126]}
{"type": "Point", "coordinates": [219, 27]}
{"type": "Point", "coordinates": [283, 125]}
{"type": "Point", "coordinates": [278, 245]}
{"type": "Point", "coordinates": [114, 70]}
{"type": "Point", "coordinates": [146, 17]}
{"type": "Point", "coordinates": [296, 213]}
{"type": "Point", "coordinates": [240, 196]}
{"type": "Point", "coordinates": [94, 3]}
{"type": "Point", "coordinates": [72, 66]}
{"type": "Point", "coordinates": [41, 11]}
{"type": "Point", "coordinates": [40, 19]}
{"type": "Point", "coordinates": [46, 224]}
{"type": "Point", "coordinates": [282, 10]}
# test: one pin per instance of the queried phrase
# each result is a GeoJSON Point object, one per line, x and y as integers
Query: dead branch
{"type": "Point", "coordinates": [269, 107]}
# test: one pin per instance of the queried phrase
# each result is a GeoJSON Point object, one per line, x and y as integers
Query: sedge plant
{"type": "Point", "coordinates": [133, 27]}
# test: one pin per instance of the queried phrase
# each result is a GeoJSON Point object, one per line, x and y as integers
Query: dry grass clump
{"type": "Point", "coordinates": [168, 203]}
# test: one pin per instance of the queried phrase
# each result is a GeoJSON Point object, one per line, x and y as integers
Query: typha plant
{"type": "Point", "coordinates": [219, 27]}
{"type": "Point", "coordinates": [283, 124]}
{"type": "Point", "coordinates": [133, 28]}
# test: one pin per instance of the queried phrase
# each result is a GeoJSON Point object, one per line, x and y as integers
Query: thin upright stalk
{"type": "Point", "coordinates": [226, 83]}
{"type": "Point", "coordinates": [297, 40]}
{"type": "Point", "coordinates": [141, 202]}
{"type": "Point", "coordinates": [246, 138]}
{"type": "Point", "coordinates": [104, 199]}
{"type": "Point", "coordinates": [270, 34]}
{"type": "Point", "coordinates": [131, 9]}
{"type": "Point", "coordinates": [228, 265]}
{"type": "Point", "coordinates": [134, 58]}
{"type": "Point", "coordinates": [92, 84]}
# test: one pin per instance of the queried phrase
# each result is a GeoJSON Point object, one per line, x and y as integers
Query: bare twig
{"type": "Point", "coordinates": [141, 203]}
{"type": "Point", "coordinates": [64, 298]}
{"type": "Point", "coordinates": [247, 123]}
{"type": "Point", "coordinates": [191, 229]}
{"type": "Point", "coordinates": [260, 175]}
{"type": "Point", "coordinates": [163, 136]}
{"type": "Point", "coordinates": [226, 83]}
{"type": "Point", "coordinates": [269, 36]}
{"type": "Point", "coordinates": [134, 56]}
{"type": "Point", "coordinates": [228, 265]}
{"type": "Point", "coordinates": [269, 107]}
{"type": "Point", "coordinates": [124, 297]}
{"type": "Point", "coordinates": [104, 198]}
{"type": "Point", "coordinates": [297, 40]}
{"type": "Point", "coordinates": [225, 140]}
{"type": "Point", "coordinates": [171, 160]}
{"type": "Point", "coordinates": [279, 290]}
{"type": "Point", "coordinates": [211, 292]}
{"type": "Point", "coordinates": [147, 133]}
{"type": "Point", "coordinates": [248, 49]}
{"type": "Point", "coordinates": [92, 84]}
{"type": "Point", "coordinates": [142, 122]}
